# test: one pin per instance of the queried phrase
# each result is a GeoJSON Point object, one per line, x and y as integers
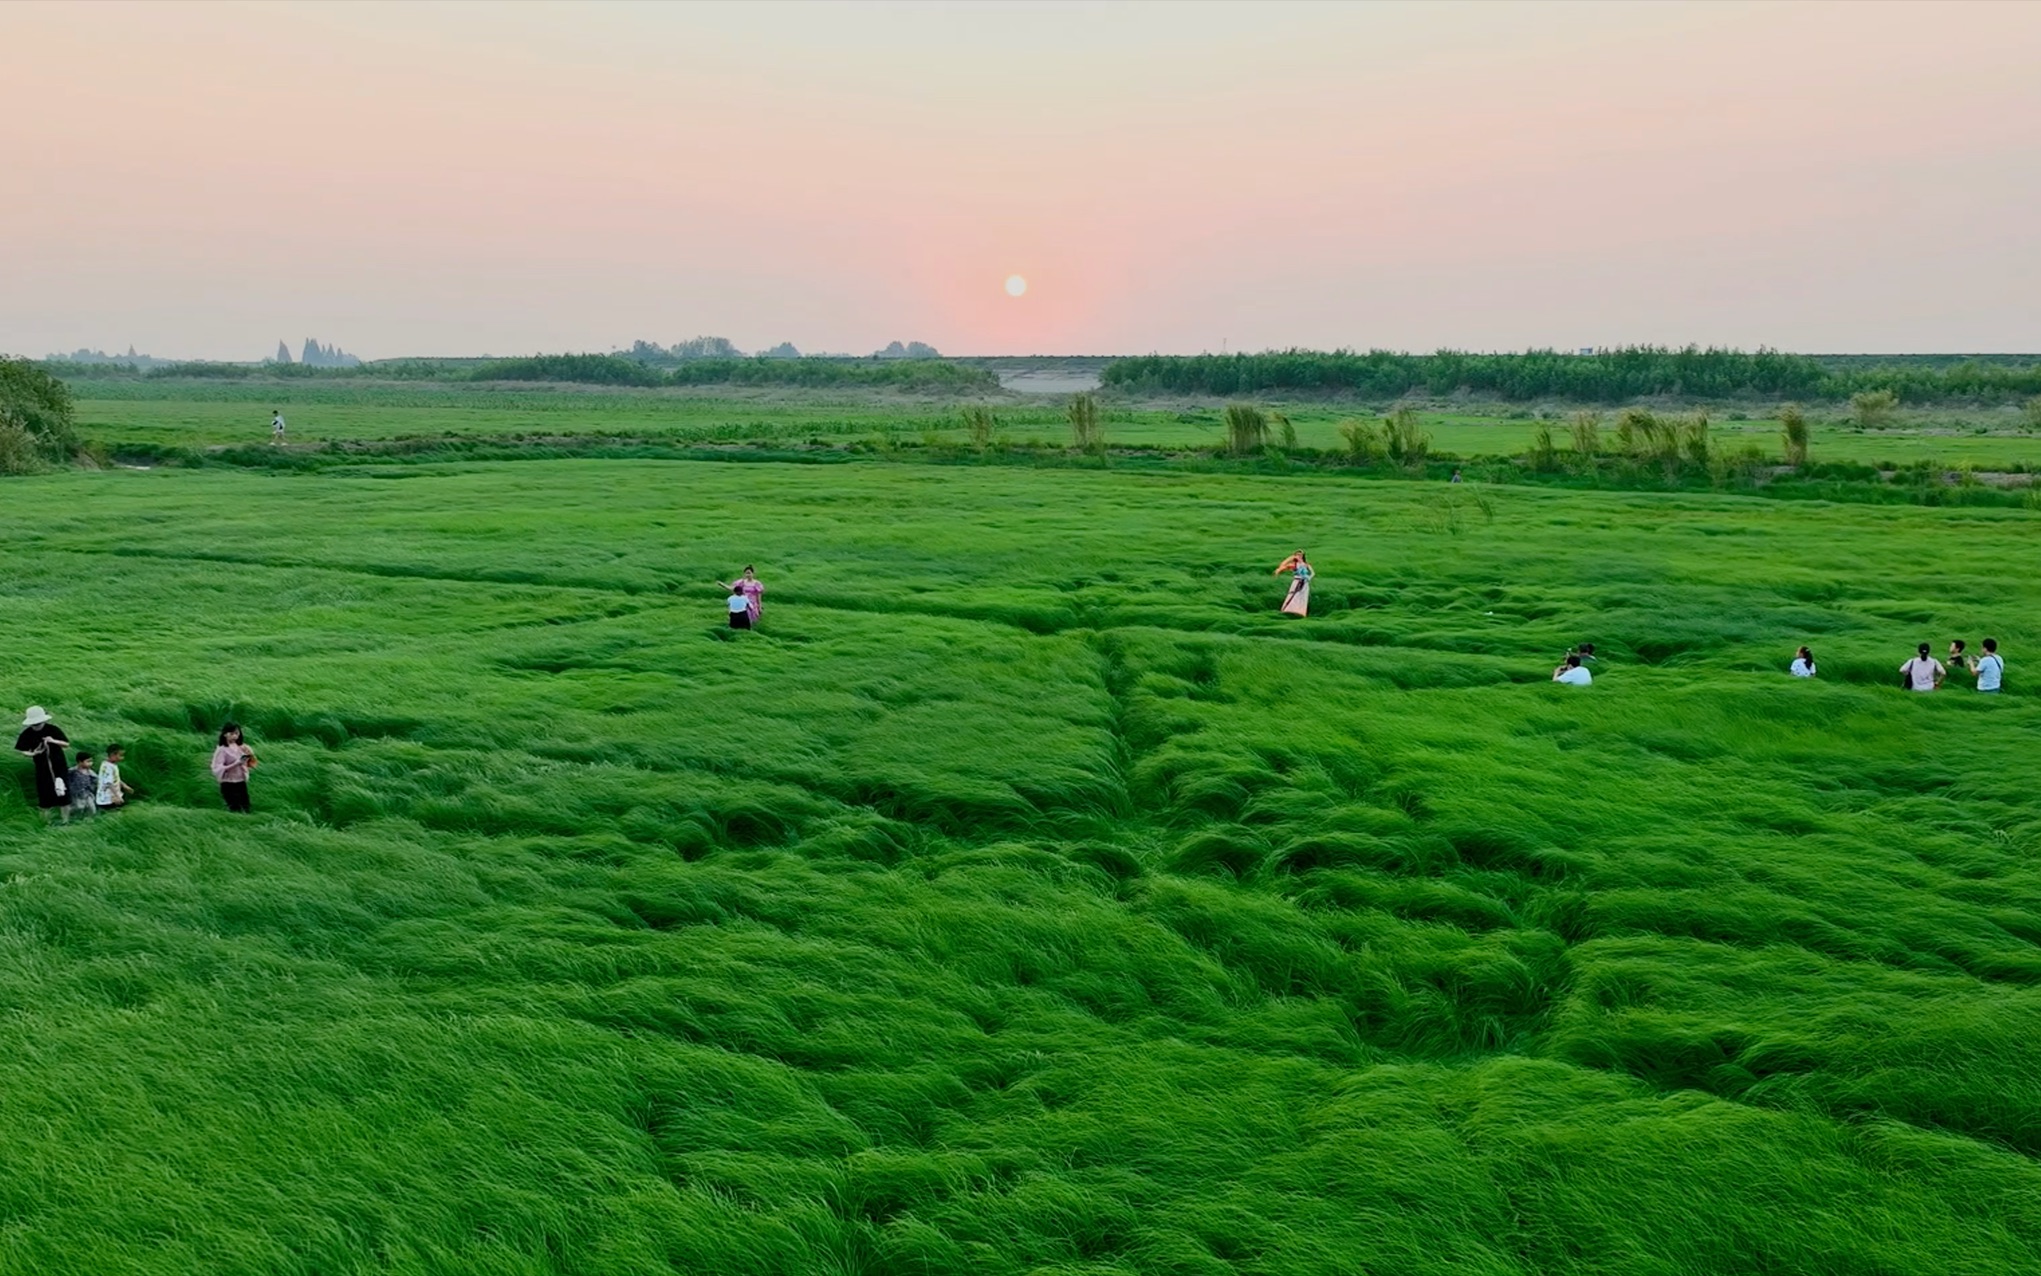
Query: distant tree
{"type": "Point", "coordinates": [1405, 438]}
{"type": "Point", "coordinates": [2034, 413]}
{"type": "Point", "coordinates": [707, 348]}
{"type": "Point", "coordinates": [784, 350]}
{"type": "Point", "coordinates": [645, 351]}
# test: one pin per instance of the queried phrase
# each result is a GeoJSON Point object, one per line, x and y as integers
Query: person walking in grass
{"type": "Point", "coordinates": [81, 784]}
{"type": "Point", "coordinates": [752, 590]}
{"type": "Point", "coordinates": [1923, 672]}
{"type": "Point", "coordinates": [1990, 668]}
{"type": "Point", "coordinates": [112, 793]}
{"type": "Point", "coordinates": [1298, 601]}
{"type": "Point", "coordinates": [1573, 673]}
{"type": "Point", "coordinates": [44, 742]}
{"type": "Point", "coordinates": [276, 426]}
{"type": "Point", "coordinates": [1803, 664]}
{"type": "Point", "coordinates": [232, 761]}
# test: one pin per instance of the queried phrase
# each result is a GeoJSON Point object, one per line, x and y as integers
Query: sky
{"type": "Point", "coordinates": [203, 180]}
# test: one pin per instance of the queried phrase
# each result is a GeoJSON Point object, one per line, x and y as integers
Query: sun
{"type": "Point", "coordinates": [1015, 285]}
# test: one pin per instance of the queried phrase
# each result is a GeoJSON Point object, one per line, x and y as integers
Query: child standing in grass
{"type": "Point", "coordinates": [232, 761]}
{"type": "Point", "coordinates": [113, 791]}
{"type": "Point", "coordinates": [752, 590]}
{"type": "Point", "coordinates": [80, 783]}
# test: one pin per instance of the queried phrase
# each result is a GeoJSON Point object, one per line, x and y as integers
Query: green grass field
{"type": "Point", "coordinates": [1026, 896]}
{"type": "Point", "coordinates": [210, 415]}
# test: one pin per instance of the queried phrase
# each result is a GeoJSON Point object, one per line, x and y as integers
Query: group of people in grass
{"type": "Point", "coordinates": [1922, 673]}
{"type": "Point", "coordinates": [67, 791]}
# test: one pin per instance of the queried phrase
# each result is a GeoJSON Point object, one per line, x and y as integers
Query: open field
{"type": "Point", "coordinates": [1026, 896]}
{"type": "Point", "coordinates": [176, 415]}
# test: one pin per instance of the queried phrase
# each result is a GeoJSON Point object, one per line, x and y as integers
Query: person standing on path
{"type": "Point", "coordinates": [232, 761]}
{"type": "Point", "coordinates": [753, 591]}
{"type": "Point", "coordinates": [276, 426]}
{"type": "Point", "coordinates": [1298, 601]}
{"type": "Point", "coordinates": [1923, 672]}
{"type": "Point", "coordinates": [44, 741]}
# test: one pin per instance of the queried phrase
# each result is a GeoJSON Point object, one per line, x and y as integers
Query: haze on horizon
{"type": "Point", "coordinates": [201, 181]}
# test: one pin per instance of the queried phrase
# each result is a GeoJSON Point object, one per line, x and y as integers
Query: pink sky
{"type": "Point", "coordinates": [202, 180]}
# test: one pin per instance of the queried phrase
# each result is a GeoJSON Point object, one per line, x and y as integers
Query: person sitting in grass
{"type": "Point", "coordinates": [80, 783]}
{"type": "Point", "coordinates": [1990, 668]}
{"type": "Point", "coordinates": [1923, 672]}
{"type": "Point", "coordinates": [113, 791]}
{"type": "Point", "coordinates": [1803, 664]}
{"type": "Point", "coordinates": [1573, 673]}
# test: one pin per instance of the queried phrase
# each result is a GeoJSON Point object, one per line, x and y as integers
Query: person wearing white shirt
{"type": "Point", "coordinates": [1572, 674]}
{"type": "Point", "coordinates": [1803, 664]}
{"type": "Point", "coordinates": [1923, 672]}
{"type": "Point", "coordinates": [1990, 668]}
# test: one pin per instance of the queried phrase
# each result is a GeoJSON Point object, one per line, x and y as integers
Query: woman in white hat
{"type": "Point", "coordinates": [44, 741]}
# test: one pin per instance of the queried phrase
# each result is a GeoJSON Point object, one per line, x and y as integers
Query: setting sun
{"type": "Point", "coordinates": [1015, 285]}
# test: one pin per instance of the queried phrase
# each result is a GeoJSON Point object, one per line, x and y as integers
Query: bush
{"type": "Point", "coordinates": [1694, 439]}
{"type": "Point", "coordinates": [1793, 429]}
{"type": "Point", "coordinates": [978, 424]}
{"type": "Point", "coordinates": [1086, 434]}
{"type": "Point", "coordinates": [1363, 441]}
{"type": "Point", "coordinates": [18, 451]}
{"type": "Point", "coordinates": [1406, 440]}
{"type": "Point", "coordinates": [1586, 429]}
{"type": "Point", "coordinates": [37, 407]}
{"type": "Point", "coordinates": [1247, 429]}
{"type": "Point", "coordinates": [1544, 455]}
{"type": "Point", "coordinates": [1871, 409]}
{"type": "Point", "coordinates": [583, 369]}
{"type": "Point", "coordinates": [2034, 413]}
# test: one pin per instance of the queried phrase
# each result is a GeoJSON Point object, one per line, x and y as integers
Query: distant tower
{"type": "Point", "coordinates": [283, 353]}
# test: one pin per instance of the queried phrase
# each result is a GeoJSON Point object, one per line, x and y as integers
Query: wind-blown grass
{"type": "Point", "coordinates": [1024, 895]}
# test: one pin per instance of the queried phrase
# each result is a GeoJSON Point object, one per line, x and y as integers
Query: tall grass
{"type": "Point", "coordinates": [1247, 429]}
{"type": "Point", "coordinates": [1087, 434]}
{"type": "Point", "coordinates": [1405, 439]}
{"type": "Point", "coordinates": [1024, 894]}
{"type": "Point", "coordinates": [1793, 434]}
{"type": "Point", "coordinates": [1873, 409]}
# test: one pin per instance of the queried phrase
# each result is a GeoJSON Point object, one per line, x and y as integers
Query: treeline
{"type": "Point", "coordinates": [931, 375]}
{"type": "Point", "coordinates": [1607, 376]}
{"type": "Point", "coordinates": [917, 375]}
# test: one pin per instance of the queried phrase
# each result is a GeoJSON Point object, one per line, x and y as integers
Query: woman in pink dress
{"type": "Point", "coordinates": [753, 590]}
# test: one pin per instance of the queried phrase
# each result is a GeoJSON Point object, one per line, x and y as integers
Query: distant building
{"type": "Point", "coordinates": [318, 356]}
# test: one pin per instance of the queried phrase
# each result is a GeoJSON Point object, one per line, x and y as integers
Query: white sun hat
{"type": "Point", "coordinates": [35, 716]}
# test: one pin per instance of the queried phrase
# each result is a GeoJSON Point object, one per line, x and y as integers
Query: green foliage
{"type": "Point", "coordinates": [1584, 431]}
{"type": "Point", "coordinates": [1086, 433]}
{"type": "Point", "coordinates": [1405, 439]}
{"type": "Point", "coordinates": [926, 375]}
{"type": "Point", "coordinates": [1873, 409]}
{"type": "Point", "coordinates": [36, 418]}
{"type": "Point", "coordinates": [586, 369]}
{"type": "Point", "coordinates": [1247, 429]}
{"type": "Point", "coordinates": [1694, 439]}
{"type": "Point", "coordinates": [1609, 376]}
{"type": "Point", "coordinates": [1286, 433]}
{"type": "Point", "coordinates": [1793, 434]}
{"type": "Point", "coordinates": [978, 426]}
{"type": "Point", "coordinates": [1544, 454]}
{"type": "Point", "coordinates": [1363, 441]}
{"type": "Point", "coordinates": [2034, 413]}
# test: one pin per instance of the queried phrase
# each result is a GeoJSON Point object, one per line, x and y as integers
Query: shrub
{"type": "Point", "coordinates": [1793, 429]}
{"type": "Point", "coordinates": [1872, 409]}
{"type": "Point", "coordinates": [37, 407]}
{"type": "Point", "coordinates": [978, 424]}
{"type": "Point", "coordinates": [1086, 434]}
{"type": "Point", "coordinates": [2034, 413]}
{"type": "Point", "coordinates": [18, 452]}
{"type": "Point", "coordinates": [1406, 440]}
{"type": "Point", "coordinates": [1363, 441]}
{"type": "Point", "coordinates": [1544, 455]}
{"type": "Point", "coordinates": [1285, 432]}
{"type": "Point", "coordinates": [1694, 438]}
{"type": "Point", "coordinates": [1586, 429]}
{"type": "Point", "coordinates": [1247, 429]}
